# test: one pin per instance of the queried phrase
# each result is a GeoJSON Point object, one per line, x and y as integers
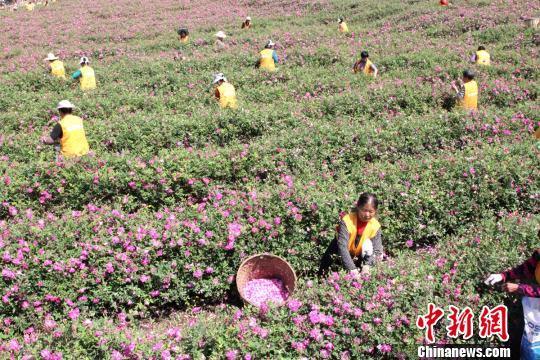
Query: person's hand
{"type": "Point", "coordinates": [366, 269]}
{"type": "Point", "coordinates": [493, 279]}
{"type": "Point", "coordinates": [367, 248]}
{"type": "Point", "coordinates": [510, 287]}
{"type": "Point", "coordinates": [355, 273]}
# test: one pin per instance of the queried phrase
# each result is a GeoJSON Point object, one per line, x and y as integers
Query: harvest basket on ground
{"type": "Point", "coordinates": [269, 268]}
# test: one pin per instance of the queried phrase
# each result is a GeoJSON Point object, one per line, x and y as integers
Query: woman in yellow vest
{"type": "Point", "coordinates": [225, 92]}
{"type": "Point", "coordinates": [29, 6]}
{"type": "Point", "coordinates": [184, 35]}
{"type": "Point", "coordinates": [343, 28]}
{"type": "Point", "coordinates": [220, 44]}
{"type": "Point", "coordinates": [467, 93]}
{"type": "Point", "coordinates": [69, 132]}
{"type": "Point", "coordinates": [358, 241]}
{"type": "Point", "coordinates": [365, 66]}
{"type": "Point", "coordinates": [56, 67]}
{"type": "Point", "coordinates": [85, 74]}
{"type": "Point", "coordinates": [268, 57]}
{"type": "Point", "coordinates": [481, 57]}
{"type": "Point", "coordinates": [247, 23]}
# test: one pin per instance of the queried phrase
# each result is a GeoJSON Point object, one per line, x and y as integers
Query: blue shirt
{"type": "Point", "coordinates": [275, 57]}
{"type": "Point", "coordinates": [77, 74]}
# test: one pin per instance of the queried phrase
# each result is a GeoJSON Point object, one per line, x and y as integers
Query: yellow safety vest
{"type": "Point", "coordinates": [470, 100]}
{"type": "Point", "coordinates": [29, 7]}
{"type": "Point", "coordinates": [88, 78]}
{"type": "Point", "coordinates": [351, 221]}
{"type": "Point", "coordinates": [73, 141]}
{"type": "Point", "coordinates": [57, 69]}
{"type": "Point", "coordinates": [266, 60]}
{"type": "Point", "coordinates": [184, 40]}
{"type": "Point", "coordinates": [343, 28]}
{"type": "Point", "coordinates": [483, 58]}
{"type": "Point", "coordinates": [367, 68]}
{"type": "Point", "coordinates": [227, 96]}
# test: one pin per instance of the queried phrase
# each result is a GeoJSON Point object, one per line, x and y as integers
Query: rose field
{"type": "Point", "coordinates": [132, 251]}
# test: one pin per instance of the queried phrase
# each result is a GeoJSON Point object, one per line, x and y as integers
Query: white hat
{"type": "Point", "coordinates": [84, 60]}
{"type": "Point", "coordinates": [340, 19]}
{"type": "Point", "coordinates": [270, 43]}
{"type": "Point", "coordinates": [51, 57]}
{"type": "Point", "coordinates": [248, 18]}
{"type": "Point", "coordinates": [219, 77]}
{"type": "Point", "coordinates": [221, 34]}
{"type": "Point", "coordinates": [65, 104]}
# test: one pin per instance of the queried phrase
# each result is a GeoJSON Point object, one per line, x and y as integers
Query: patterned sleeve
{"type": "Point", "coordinates": [343, 247]}
{"type": "Point", "coordinates": [529, 290]}
{"type": "Point", "coordinates": [523, 271]}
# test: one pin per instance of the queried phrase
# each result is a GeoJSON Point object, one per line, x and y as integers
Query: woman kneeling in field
{"type": "Point", "coordinates": [358, 241]}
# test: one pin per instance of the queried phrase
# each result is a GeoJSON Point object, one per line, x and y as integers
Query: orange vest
{"type": "Point", "coordinates": [184, 40]}
{"type": "Point", "coordinates": [227, 96]}
{"type": "Point", "coordinates": [266, 60]}
{"type": "Point", "coordinates": [470, 100]}
{"type": "Point", "coordinates": [351, 221]}
{"type": "Point", "coordinates": [57, 69]}
{"type": "Point", "coordinates": [73, 141]}
{"type": "Point", "coordinates": [343, 28]}
{"type": "Point", "coordinates": [537, 134]}
{"type": "Point", "coordinates": [88, 78]}
{"type": "Point", "coordinates": [482, 57]}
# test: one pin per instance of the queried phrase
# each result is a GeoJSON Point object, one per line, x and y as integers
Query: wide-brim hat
{"type": "Point", "coordinates": [248, 18]}
{"type": "Point", "coordinates": [65, 104]}
{"type": "Point", "coordinates": [270, 43]}
{"type": "Point", "coordinates": [221, 34]}
{"type": "Point", "coordinates": [51, 57]}
{"type": "Point", "coordinates": [219, 77]}
{"type": "Point", "coordinates": [84, 60]}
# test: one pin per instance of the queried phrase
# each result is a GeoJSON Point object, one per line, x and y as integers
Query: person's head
{"type": "Point", "coordinates": [269, 45]}
{"type": "Point", "coordinates": [364, 54]}
{"type": "Point", "coordinates": [183, 33]}
{"type": "Point", "coordinates": [468, 75]}
{"type": "Point", "coordinates": [219, 79]}
{"type": "Point", "coordinates": [221, 35]}
{"type": "Point", "coordinates": [366, 207]}
{"type": "Point", "coordinates": [84, 61]}
{"type": "Point", "coordinates": [341, 19]}
{"type": "Point", "coordinates": [481, 48]}
{"type": "Point", "coordinates": [248, 19]}
{"type": "Point", "coordinates": [51, 57]}
{"type": "Point", "coordinates": [65, 107]}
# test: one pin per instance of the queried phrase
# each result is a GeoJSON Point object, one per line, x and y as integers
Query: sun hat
{"type": "Point", "coordinates": [65, 104]}
{"type": "Point", "coordinates": [221, 34]}
{"type": "Point", "coordinates": [51, 57]}
{"type": "Point", "coordinates": [219, 77]}
{"type": "Point", "coordinates": [84, 60]}
{"type": "Point", "coordinates": [248, 18]}
{"type": "Point", "coordinates": [270, 43]}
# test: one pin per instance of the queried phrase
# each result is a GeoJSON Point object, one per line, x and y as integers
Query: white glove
{"type": "Point", "coordinates": [366, 269]}
{"type": "Point", "coordinates": [355, 273]}
{"type": "Point", "coordinates": [367, 248]}
{"type": "Point", "coordinates": [493, 279]}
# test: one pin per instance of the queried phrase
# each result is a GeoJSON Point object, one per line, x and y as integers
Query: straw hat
{"type": "Point", "coordinates": [248, 18]}
{"type": "Point", "coordinates": [220, 34]}
{"type": "Point", "coordinates": [84, 60]}
{"type": "Point", "coordinates": [270, 43]}
{"type": "Point", "coordinates": [51, 57]}
{"type": "Point", "coordinates": [65, 104]}
{"type": "Point", "coordinates": [219, 77]}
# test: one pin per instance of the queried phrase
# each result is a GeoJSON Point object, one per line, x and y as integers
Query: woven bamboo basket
{"type": "Point", "coordinates": [532, 22]}
{"type": "Point", "coordinates": [265, 266]}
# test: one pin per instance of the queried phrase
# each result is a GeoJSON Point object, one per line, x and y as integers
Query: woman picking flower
{"type": "Point", "coordinates": [358, 239]}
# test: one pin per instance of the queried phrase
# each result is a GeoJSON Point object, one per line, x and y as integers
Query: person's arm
{"type": "Point", "coordinates": [529, 290]}
{"type": "Point", "coordinates": [217, 94]}
{"type": "Point", "coordinates": [473, 58]}
{"type": "Point", "coordinates": [355, 66]}
{"type": "Point", "coordinates": [523, 271]}
{"type": "Point", "coordinates": [77, 74]}
{"type": "Point", "coordinates": [54, 137]}
{"type": "Point", "coordinates": [460, 92]}
{"type": "Point", "coordinates": [343, 247]}
{"type": "Point", "coordinates": [377, 250]}
{"type": "Point", "coordinates": [275, 57]}
{"type": "Point", "coordinates": [375, 70]}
